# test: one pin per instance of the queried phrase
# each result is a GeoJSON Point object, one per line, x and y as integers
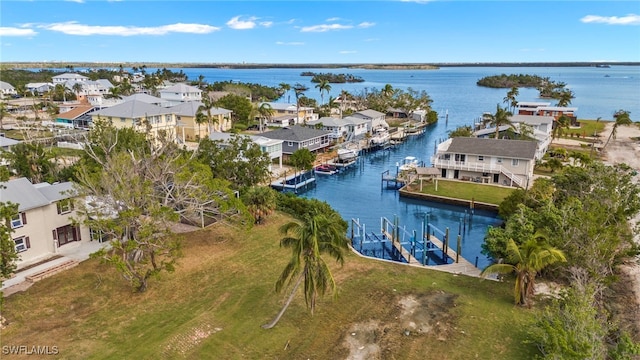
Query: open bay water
{"type": "Point", "coordinates": [358, 192]}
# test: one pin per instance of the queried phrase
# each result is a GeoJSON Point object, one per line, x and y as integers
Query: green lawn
{"type": "Point", "coordinates": [587, 129]}
{"type": "Point", "coordinates": [465, 190]}
{"type": "Point", "coordinates": [212, 307]}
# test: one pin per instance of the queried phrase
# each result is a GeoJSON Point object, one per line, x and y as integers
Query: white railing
{"type": "Point", "coordinates": [477, 167]}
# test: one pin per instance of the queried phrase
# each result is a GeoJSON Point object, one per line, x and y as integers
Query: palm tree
{"type": "Point", "coordinates": [126, 87]}
{"type": "Point", "coordinates": [622, 118]}
{"type": "Point", "coordinates": [561, 124]}
{"type": "Point", "coordinates": [526, 261]}
{"type": "Point", "coordinates": [564, 97]}
{"type": "Point", "coordinates": [207, 106]}
{"type": "Point", "coordinates": [317, 235]}
{"type": "Point", "coordinates": [510, 99]}
{"type": "Point", "coordinates": [200, 119]}
{"type": "Point", "coordinates": [266, 112]}
{"type": "Point", "coordinates": [323, 86]}
{"type": "Point", "coordinates": [344, 95]}
{"type": "Point", "coordinates": [77, 88]}
{"type": "Point", "coordinates": [260, 201]}
{"type": "Point", "coordinates": [114, 93]}
{"type": "Point", "coordinates": [299, 90]}
{"type": "Point", "coordinates": [284, 89]}
{"type": "Point", "coordinates": [500, 118]}
{"type": "Point", "coordinates": [388, 91]}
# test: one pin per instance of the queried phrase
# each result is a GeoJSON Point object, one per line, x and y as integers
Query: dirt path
{"type": "Point", "coordinates": [624, 149]}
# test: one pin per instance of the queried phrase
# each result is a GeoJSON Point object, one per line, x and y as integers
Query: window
{"type": "Point", "coordinates": [19, 220]}
{"type": "Point", "coordinates": [122, 119]}
{"type": "Point", "coordinates": [480, 158]}
{"type": "Point", "coordinates": [66, 234]}
{"type": "Point", "coordinates": [499, 160]}
{"type": "Point", "coordinates": [64, 206]}
{"type": "Point", "coordinates": [22, 243]}
{"type": "Point", "coordinates": [318, 141]}
{"type": "Point", "coordinates": [514, 162]}
{"type": "Point", "coordinates": [290, 143]}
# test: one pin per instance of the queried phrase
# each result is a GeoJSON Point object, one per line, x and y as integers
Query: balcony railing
{"type": "Point", "coordinates": [477, 167]}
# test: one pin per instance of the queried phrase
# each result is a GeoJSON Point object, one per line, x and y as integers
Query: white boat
{"type": "Point", "coordinates": [408, 163]}
{"type": "Point", "coordinates": [380, 136]}
{"type": "Point", "coordinates": [347, 154]}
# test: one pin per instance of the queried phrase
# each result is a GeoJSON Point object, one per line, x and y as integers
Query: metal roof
{"type": "Point", "coordinates": [132, 109]}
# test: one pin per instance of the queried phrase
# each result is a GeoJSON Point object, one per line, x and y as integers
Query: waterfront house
{"type": "Point", "coordinates": [376, 119]}
{"type": "Point", "coordinates": [63, 78]}
{"type": "Point", "coordinates": [545, 109]}
{"type": "Point", "coordinates": [517, 132]}
{"type": "Point", "coordinates": [180, 93]}
{"type": "Point", "coordinates": [189, 130]}
{"type": "Point", "coordinates": [285, 114]}
{"type": "Point", "coordinates": [138, 115]}
{"type": "Point", "coordinates": [43, 226]}
{"type": "Point", "coordinates": [337, 127]}
{"type": "Point", "coordinates": [300, 137]}
{"type": "Point", "coordinates": [7, 90]}
{"type": "Point", "coordinates": [272, 147]}
{"type": "Point", "coordinates": [495, 161]}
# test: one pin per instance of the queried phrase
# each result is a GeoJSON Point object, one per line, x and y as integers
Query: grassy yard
{"type": "Point", "coordinates": [587, 129]}
{"type": "Point", "coordinates": [465, 190]}
{"type": "Point", "coordinates": [212, 307]}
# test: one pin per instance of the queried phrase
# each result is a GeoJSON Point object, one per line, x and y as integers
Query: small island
{"type": "Point", "coordinates": [505, 81]}
{"type": "Point", "coordinates": [332, 78]}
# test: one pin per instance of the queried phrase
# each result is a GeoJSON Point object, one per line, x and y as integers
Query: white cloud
{"type": "Point", "coordinates": [365, 24]}
{"type": "Point", "coordinates": [74, 28]}
{"type": "Point", "coordinates": [325, 28]}
{"type": "Point", "coordinates": [347, 52]}
{"type": "Point", "coordinates": [332, 19]}
{"type": "Point", "coordinates": [237, 24]}
{"type": "Point", "coordinates": [13, 31]}
{"type": "Point", "coordinates": [291, 43]}
{"type": "Point", "coordinates": [266, 24]}
{"type": "Point", "coordinates": [631, 19]}
{"type": "Point", "coordinates": [372, 39]}
{"type": "Point", "coordinates": [76, 1]}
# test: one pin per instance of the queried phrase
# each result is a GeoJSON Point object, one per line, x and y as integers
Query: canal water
{"type": "Point", "coordinates": [358, 193]}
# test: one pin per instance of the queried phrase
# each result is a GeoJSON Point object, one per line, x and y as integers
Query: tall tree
{"type": "Point", "coordinates": [206, 107]}
{"type": "Point", "coordinates": [621, 118]}
{"type": "Point", "coordinates": [137, 192]}
{"type": "Point", "coordinates": [560, 125]}
{"type": "Point", "coordinates": [526, 261]}
{"type": "Point", "coordinates": [77, 89]}
{"type": "Point", "coordinates": [501, 117]}
{"type": "Point", "coordinates": [266, 112]}
{"type": "Point", "coordinates": [564, 97]}
{"type": "Point", "coordinates": [260, 202]}
{"type": "Point", "coordinates": [284, 89]}
{"type": "Point", "coordinates": [510, 99]}
{"type": "Point", "coordinates": [308, 240]}
{"type": "Point", "coordinates": [299, 90]}
{"type": "Point", "coordinates": [323, 86]}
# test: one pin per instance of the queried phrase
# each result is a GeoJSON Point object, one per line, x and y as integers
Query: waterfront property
{"type": "Point", "coordinates": [545, 109]}
{"type": "Point", "coordinates": [375, 119]}
{"type": "Point", "coordinates": [272, 147]}
{"type": "Point", "coordinates": [190, 130]}
{"type": "Point", "coordinates": [496, 161]}
{"type": "Point", "coordinates": [44, 223]}
{"type": "Point", "coordinates": [180, 93]}
{"type": "Point", "coordinates": [300, 137]}
{"type": "Point", "coordinates": [285, 114]}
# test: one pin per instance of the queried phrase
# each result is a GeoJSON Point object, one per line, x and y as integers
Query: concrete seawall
{"type": "Point", "coordinates": [448, 200]}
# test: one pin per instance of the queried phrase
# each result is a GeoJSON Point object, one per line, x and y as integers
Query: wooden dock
{"type": "Point", "coordinates": [463, 266]}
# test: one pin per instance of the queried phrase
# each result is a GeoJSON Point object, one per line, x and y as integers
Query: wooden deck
{"type": "Point", "coordinates": [50, 271]}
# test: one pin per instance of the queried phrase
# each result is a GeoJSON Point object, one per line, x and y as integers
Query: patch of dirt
{"type": "Point", "coordinates": [425, 315]}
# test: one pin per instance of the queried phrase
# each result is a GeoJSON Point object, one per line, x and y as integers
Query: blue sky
{"type": "Point", "coordinates": [319, 31]}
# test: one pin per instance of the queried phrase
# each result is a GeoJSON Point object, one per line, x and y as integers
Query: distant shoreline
{"type": "Point", "coordinates": [373, 66]}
